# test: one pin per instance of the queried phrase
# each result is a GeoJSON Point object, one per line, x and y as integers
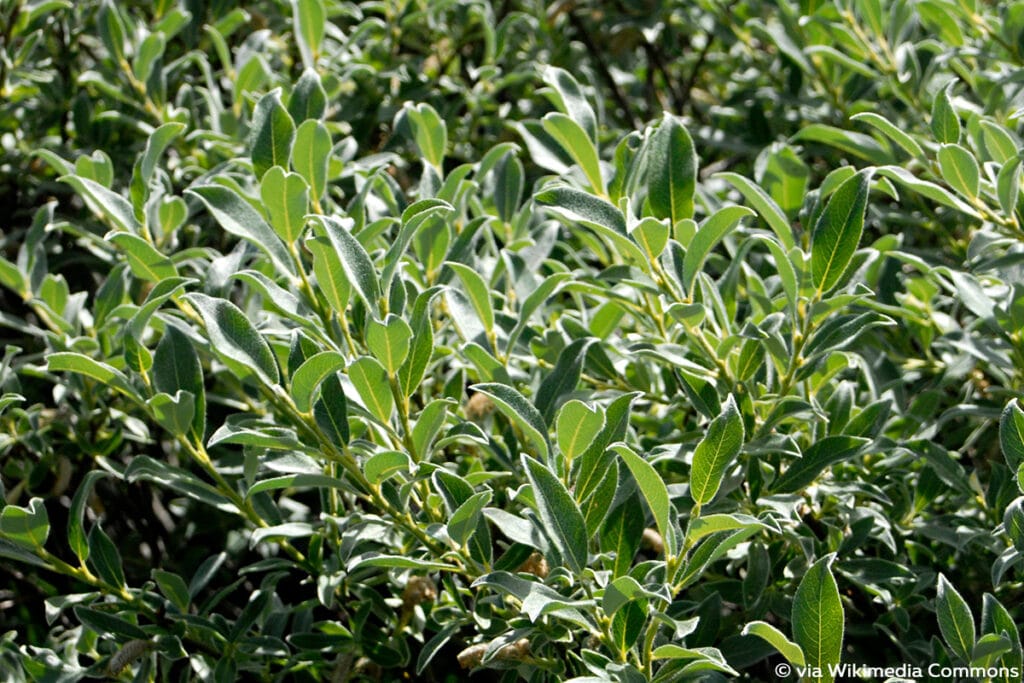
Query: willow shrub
{"type": "Point", "coordinates": [573, 402]}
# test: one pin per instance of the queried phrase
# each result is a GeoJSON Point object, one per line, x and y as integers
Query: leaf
{"type": "Point", "coordinates": [559, 514]}
{"type": "Point", "coordinates": [597, 214]}
{"type": "Point", "coordinates": [818, 619]}
{"type": "Point", "coordinates": [382, 465]}
{"type": "Point", "coordinates": [27, 527]}
{"type": "Point", "coordinates": [354, 260]}
{"type": "Point", "coordinates": [176, 367]}
{"type": "Point", "coordinates": [173, 413]}
{"type": "Point", "coordinates": [478, 291]}
{"type": "Point", "coordinates": [521, 412]}
{"type": "Point", "coordinates": [879, 122]}
{"type": "Point", "coordinates": [389, 341]}
{"type": "Point", "coordinates": [774, 637]}
{"type": "Point", "coordinates": [311, 155]}
{"type": "Point", "coordinates": [330, 274]}
{"type": "Point", "coordinates": [371, 382]}
{"type": "Point", "coordinates": [708, 235]}
{"type": "Point", "coordinates": [310, 374]}
{"type": "Point", "coordinates": [784, 175]}
{"type": "Point", "coordinates": [945, 122]}
{"type": "Point", "coordinates": [463, 521]}
{"type": "Point", "coordinates": [654, 491]}
{"type": "Point", "coordinates": [145, 468]}
{"type": "Point", "coordinates": [837, 232]}
{"type": "Point", "coordinates": [104, 623]}
{"type": "Point", "coordinates": [765, 207]}
{"type": "Point", "coordinates": [143, 258]}
{"type": "Point", "coordinates": [715, 452]}
{"type": "Point", "coordinates": [823, 454]}
{"type": "Point", "coordinates": [286, 197]}
{"type": "Point", "coordinates": [235, 215]}
{"type": "Point", "coordinates": [1011, 434]}
{"type": "Point", "coordinates": [577, 426]}
{"type": "Point", "coordinates": [331, 410]}
{"type": "Point", "coordinates": [572, 99]}
{"type": "Point", "coordinates": [960, 170]}
{"type": "Point", "coordinates": [955, 620]}
{"type": "Point", "coordinates": [271, 134]}
{"type": "Point", "coordinates": [310, 22]}
{"type": "Point", "coordinates": [1013, 523]}
{"type": "Point", "coordinates": [429, 131]}
{"type": "Point", "coordinates": [399, 562]}
{"type": "Point", "coordinates": [174, 588]}
{"type": "Point", "coordinates": [290, 481]}
{"type": "Point", "coordinates": [563, 378]}
{"type": "Point", "coordinates": [574, 140]}
{"type": "Point", "coordinates": [671, 170]}
{"type": "Point", "coordinates": [233, 338]}
{"type": "Point", "coordinates": [66, 361]}
{"type": "Point", "coordinates": [104, 203]}
{"type": "Point", "coordinates": [104, 557]}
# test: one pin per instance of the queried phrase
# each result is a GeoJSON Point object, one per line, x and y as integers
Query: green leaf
{"type": "Point", "coordinates": [389, 341]}
{"type": "Point", "coordinates": [286, 197]}
{"type": "Point", "coordinates": [818, 619]}
{"type": "Point", "coordinates": [354, 260]}
{"type": "Point", "coordinates": [837, 232]}
{"type": "Point", "coordinates": [176, 367]}
{"type": "Point", "coordinates": [651, 235]}
{"type": "Point", "coordinates": [559, 515]}
{"type": "Point", "coordinates": [104, 623]}
{"type": "Point", "coordinates": [371, 382]}
{"type": "Point", "coordinates": [774, 637]}
{"type": "Point", "coordinates": [945, 122]}
{"type": "Point", "coordinates": [83, 365]}
{"type": "Point", "coordinates": [310, 22]}
{"type": "Point", "coordinates": [715, 452]}
{"type": "Point", "coordinates": [575, 141]}
{"type": "Point", "coordinates": [577, 426]}
{"type": "Point", "coordinates": [1013, 523]}
{"type": "Point", "coordinates": [271, 134]}
{"type": "Point", "coordinates": [294, 481]}
{"type": "Point", "coordinates": [478, 291]}
{"type": "Point", "coordinates": [705, 525]}
{"type": "Point", "coordinates": [236, 216]}
{"type": "Point", "coordinates": [671, 170]}
{"type": "Point", "coordinates": [27, 527]}
{"type": "Point", "coordinates": [76, 534]}
{"type": "Point", "coordinates": [571, 99]}
{"type": "Point", "coordinates": [621, 533]}
{"type": "Point", "coordinates": [399, 562]}
{"type": "Point", "coordinates": [463, 521]}
{"type": "Point", "coordinates": [1011, 434]}
{"type": "Point", "coordinates": [174, 413]}
{"type": "Point", "coordinates": [823, 454]}
{"type": "Point", "coordinates": [597, 214]}
{"type": "Point", "coordinates": [331, 410]}
{"type": "Point", "coordinates": [308, 376]}
{"type": "Point", "coordinates": [784, 175]}
{"type": "Point", "coordinates": [310, 156]}
{"type": "Point", "coordinates": [174, 588]}
{"type": "Point", "coordinates": [104, 557]}
{"type": "Point", "coordinates": [709, 234]}
{"type": "Point", "coordinates": [563, 378]}
{"type": "Point", "coordinates": [429, 131]}
{"type": "Point", "coordinates": [105, 204]}
{"type": "Point", "coordinates": [234, 339]}
{"type": "Point", "coordinates": [382, 465]}
{"type": "Point", "coordinates": [157, 143]}
{"type": "Point", "coordinates": [955, 620]}
{"type": "Point", "coordinates": [891, 130]}
{"type": "Point", "coordinates": [1008, 186]}
{"type": "Point", "coordinates": [960, 170]}
{"type": "Point", "coordinates": [521, 412]}
{"type": "Point", "coordinates": [330, 274]}
{"type": "Point", "coordinates": [654, 491]}
{"type": "Point", "coordinates": [146, 468]}
{"type": "Point", "coordinates": [765, 207]}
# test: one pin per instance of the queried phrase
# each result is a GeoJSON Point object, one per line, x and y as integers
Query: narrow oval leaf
{"type": "Point", "coordinates": [176, 367]}
{"type": "Point", "coordinates": [389, 341]}
{"type": "Point", "coordinates": [310, 374]}
{"type": "Point", "coordinates": [715, 452]}
{"type": "Point", "coordinates": [818, 620]}
{"type": "Point", "coordinates": [28, 527]}
{"type": "Point", "coordinates": [143, 258]}
{"type": "Point", "coordinates": [286, 197]}
{"type": "Point", "coordinates": [671, 170]}
{"type": "Point", "coordinates": [837, 233]}
{"type": "Point", "coordinates": [270, 139]}
{"type": "Point", "coordinates": [354, 259]}
{"type": "Point", "coordinates": [708, 236]}
{"type": "Point", "coordinates": [310, 155]}
{"type": "Point", "coordinates": [574, 140]}
{"type": "Point", "coordinates": [234, 339]}
{"type": "Point", "coordinates": [559, 514]}
{"type": "Point", "coordinates": [774, 637]}
{"type": "Point", "coordinates": [577, 426]}
{"type": "Point", "coordinates": [955, 620]}
{"type": "Point", "coordinates": [945, 121]}
{"type": "Point", "coordinates": [654, 491]}
{"type": "Point", "coordinates": [960, 170]}
{"type": "Point", "coordinates": [521, 412]}
{"type": "Point", "coordinates": [371, 382]}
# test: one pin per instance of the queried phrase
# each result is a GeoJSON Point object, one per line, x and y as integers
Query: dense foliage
{"type": "Point", "coordinates": [603, 341]}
